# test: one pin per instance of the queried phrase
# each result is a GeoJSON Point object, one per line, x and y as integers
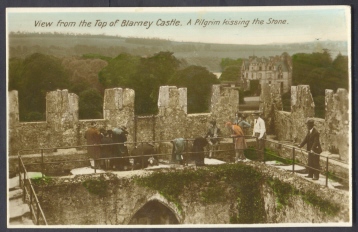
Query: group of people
{"type": "Point", "coordinates": [118, 136]}
{"type": "Point", "coordinates": [237, 130]}
{"type": "Point", "coordinates": [112, 144]}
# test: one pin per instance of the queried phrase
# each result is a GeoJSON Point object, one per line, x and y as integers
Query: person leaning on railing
{"type": "Point", "coordinates": [313, 148]}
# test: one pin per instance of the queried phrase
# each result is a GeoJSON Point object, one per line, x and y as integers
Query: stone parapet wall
{"type": "Point", "coordinates": [334, 129]}
{"type": "Point", "coordinates": [67, 201]}
{"type": "Point", "coordinates": [145, 128]}
{"type": "Point", "coordinates": [283, 120]}
{"type": "Point", "coordinates": [302, 107]}
{"type": "Point", "coordinates": [297, 208]}
{"type": "Point", "coordinates": [62, 127]}
{"type": "Point", "coordinates": [270, 102]}
{"type": "Point", "coordinates": [337, 122]}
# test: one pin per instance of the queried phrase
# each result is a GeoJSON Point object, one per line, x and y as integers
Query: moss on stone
{"type": "Point", "coordinates": [96, 186]}
{"type": "Point", "coordinates": [209, 183]}
{"type": "Point", "coordinates": [283, 191]}
{"type": "Point", "coordinates": [45, 180]}
{"type": "Point", "coordinates": [325, 206]}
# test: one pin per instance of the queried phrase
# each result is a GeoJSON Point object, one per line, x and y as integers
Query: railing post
{"type": "Point", "coordinates": [135, 129]}
{"type": "Point", "coordinates": [185, 161]}
{"type": "Point", "coordinates": [233, 142]}
{"type": "Point", "coordinates": [95, 164]}
{"type": "Point", "coordinates": [263, 150]}
{"type": "Point", "coordinates": [142, 158]}
{"type": "Point", "coordinates": [31, 203]}
{"type": "Point", "coordinates": [42, 163]}
{"type": "Point", "coordinates": [19, 169]}
{"type": "Point", "coordinates": [24, 187]}
{"type": "Point", "coordinates": [38, 213]}
{"type": "Point", "coordinates": [327, 171]}
{"type": "Point", "coordinates": [293, 159]}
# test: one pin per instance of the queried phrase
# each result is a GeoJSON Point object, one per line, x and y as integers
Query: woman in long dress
{"type": "Point", "coordinates": [239, 140]}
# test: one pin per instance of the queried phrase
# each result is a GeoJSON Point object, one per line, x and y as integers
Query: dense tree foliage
{"type": "Point", "coordinates": [33, 77]}
{"type": "Point", "coordinates": [152, 73]}
{"type": "Point", "coordinates": [88, 76]}
{"type": "Point", "coordinates": [226, 62]}
{"type": "Point", "coordinates": [90, 104]}
{"type": "Point", "coordinates": [320, 72]}
{"type": "Point", "coordinates": [231, 73]}
{"type": "Point", "coordinates": [119, 71]}
{"type": "Point", "coordinates": [145, 75]}
{"type": "Point", "coordinates": [15, 73]}
{"type": "Point", "coordinates": [198, 81]}
{"type": "Point", "coordinates": [83, 72]}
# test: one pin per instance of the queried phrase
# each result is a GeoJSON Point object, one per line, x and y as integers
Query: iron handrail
{"type": "Point", "coordinates": [125, 143]}
{"type": "Point", "coordinates": [30, 192]}
{"type": "Point", "coordinates": [294, 148]}
{"type": "Point", "coordinates": [303, 150]}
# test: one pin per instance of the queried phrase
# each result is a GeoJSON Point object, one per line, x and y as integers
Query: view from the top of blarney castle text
{"type": "Point", "coordinates": [179, 117]}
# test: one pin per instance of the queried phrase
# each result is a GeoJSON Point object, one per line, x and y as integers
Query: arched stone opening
{"type": "Point", "coordinates": [154, 213]}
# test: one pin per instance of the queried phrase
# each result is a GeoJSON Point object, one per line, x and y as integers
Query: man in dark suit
{"type": "Point", "coordinates": [314, 149]}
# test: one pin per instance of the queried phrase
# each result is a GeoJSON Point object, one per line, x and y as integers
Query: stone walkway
{"type": "Point", "coordinates": [18, 211]}
{"type": "Point", "coordinates": [299, 170]}
{"type": "Point", "coordinates": [146, 171]}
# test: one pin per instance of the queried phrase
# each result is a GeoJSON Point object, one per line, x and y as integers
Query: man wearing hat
{"type": "Point", "coordinates": [259, 132]}
{"type": "Point", "coordinates": [313, 148]}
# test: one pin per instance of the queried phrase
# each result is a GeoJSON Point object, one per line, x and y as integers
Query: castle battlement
{"type": "Point", "coordinates": [63, 127]}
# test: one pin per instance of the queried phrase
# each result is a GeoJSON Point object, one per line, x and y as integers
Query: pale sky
{"type": "Point", "coordinates": [302, 24]}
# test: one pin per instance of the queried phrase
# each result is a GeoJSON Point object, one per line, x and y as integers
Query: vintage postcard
{"type": "Point", "coordinates": [179, 117]}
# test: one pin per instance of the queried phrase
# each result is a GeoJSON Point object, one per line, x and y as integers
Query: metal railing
{"type": "Point", "coordinates": [29, 195]}
{"type": "Point", "coordinates": [187, 154]}
{"type": "Point", "coordinates": [303, 152]}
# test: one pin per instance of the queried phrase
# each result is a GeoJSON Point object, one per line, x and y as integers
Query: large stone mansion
{"type": "Point", "coordinates": [272, 70]}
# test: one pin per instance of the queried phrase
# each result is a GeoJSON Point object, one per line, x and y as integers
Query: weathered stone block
{"type": "Point", "coordinates": [113, 99]}
{"type": "Point", "coordinates": [13, 107]}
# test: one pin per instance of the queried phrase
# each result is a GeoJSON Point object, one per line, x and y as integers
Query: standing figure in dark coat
{"type": "Point", "coordinates": [93, 136]}
{"type": "Point", "coordinates": [120, 150]}
{"type": "Point", "coordinates": [314, 149]}
{"type": "Point", "coordinates": [198, 151]}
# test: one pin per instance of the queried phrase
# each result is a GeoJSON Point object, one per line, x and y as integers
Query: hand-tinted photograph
{"type": "Point", "coordinates": [179, 117]}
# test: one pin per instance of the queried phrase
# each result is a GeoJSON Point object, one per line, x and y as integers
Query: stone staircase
{"type": "Point", "coordinates": [19, 211]}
